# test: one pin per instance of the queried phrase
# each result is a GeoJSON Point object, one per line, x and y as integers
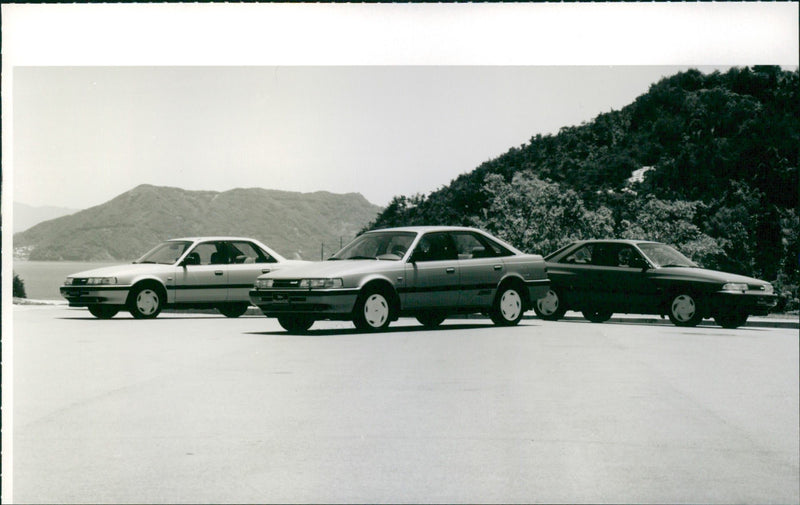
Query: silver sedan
{"type": "Point", "coordinates": [198, 272]}
{"type": "Point", "coordinates": [425, 272]}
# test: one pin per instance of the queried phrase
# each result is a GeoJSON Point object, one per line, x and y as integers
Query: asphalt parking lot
{"type": "Point", "coordinates": [197, 408]}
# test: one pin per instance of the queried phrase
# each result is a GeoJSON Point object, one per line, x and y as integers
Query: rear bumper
{"type": "Point", "coordinates": [83, 296]}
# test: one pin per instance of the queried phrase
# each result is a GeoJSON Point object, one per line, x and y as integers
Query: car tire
{"type": "Point", "coordinates": [233, 309]}
{"type": "Point", "coordinates": [145, 301]}
{"type": "Point", "coordinates": [373, 310]}
{"type": "Point", "coordinates": [295, 324]}
{"type": "Point", "coordinates": [685, 310]}
{"type": "Point", "coordinates": [551, 307]}
{"type": "Point", "coordinates": [508, 306]}
{"type": "Point", "coordinates": [431, 319]}
{"type": "Point", "coordinates": [103, 311]}
{"type": "Point", "coordinates": [597, 315]}
{"type": "Point", "coordinates": [731, 319]}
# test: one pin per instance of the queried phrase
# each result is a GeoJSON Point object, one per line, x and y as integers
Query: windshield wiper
{"type": "Point", "coordinates": [362, 258]}
{"type": "Point", "coordinates": [668, 265]}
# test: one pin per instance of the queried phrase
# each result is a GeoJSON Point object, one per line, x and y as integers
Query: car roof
{"type": "Point", "coordinates": [420, 229]}
{"type": "Point", "coordinates": [615, 241]}
{"type": "Point", "coordinates": [197, 239]}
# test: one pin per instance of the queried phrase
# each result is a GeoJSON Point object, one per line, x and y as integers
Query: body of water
{"type": "Point", "coordinates": [43, 278]}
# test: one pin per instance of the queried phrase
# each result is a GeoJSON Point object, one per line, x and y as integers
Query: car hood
{"type": "Point", "coordinates": [707, 275]}
{"type": "Point", "coordinates": [129, 269]}
{"type": "Point", "coordinates": [325, 269]}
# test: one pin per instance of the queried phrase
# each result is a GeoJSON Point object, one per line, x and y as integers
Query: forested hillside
{"type": "Point", "coordinates": [707, 162]}
{"type": "Point", "coordinates": [293, 224]}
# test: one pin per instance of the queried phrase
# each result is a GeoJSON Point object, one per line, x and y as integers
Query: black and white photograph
{"type": "Point", "coordinates": [400, 253]}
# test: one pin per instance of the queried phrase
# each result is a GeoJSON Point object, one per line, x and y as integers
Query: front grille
{"type": "Point", "coordinates": [80, 281]}
{"type": "Point", "coordinates": [286, 283]}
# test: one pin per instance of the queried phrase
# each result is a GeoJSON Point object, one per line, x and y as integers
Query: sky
{"type": "Point", "coordinates": [86, 134]}
{"type": "Point", "coordinates": [381, 103]}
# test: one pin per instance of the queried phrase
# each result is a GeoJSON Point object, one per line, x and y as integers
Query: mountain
{"type": "Point", "coordinates": [26, 216]}
{"type": "Point", "coordinates": [708, 162]}
{"type": "Point", "coordinates": [293, 224]}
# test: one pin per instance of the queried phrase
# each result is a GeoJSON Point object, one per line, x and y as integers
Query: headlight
{"type": "Point", "coordinates": [264, 283]}
{"type": "Point", "coordinates": [768, 289]}
{"type": "Point", "coordinates": [68, 282]}
{"type": "Point", "coordinates": [735, 286]}
{"type": "Point", "coordinates": [101, 280]}
{"type": "Point", "coordinates": [321, 283]}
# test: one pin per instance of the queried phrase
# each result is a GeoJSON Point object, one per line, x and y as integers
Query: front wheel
{"type": "Point", "coordinates": [731, 319]}
{"type": "Point", "coordinates": [145, 302]}
{"type": "Point", "coordinates": [295, 324]}
{"type": "Point", "coordinates": [551, 307]}
{"type": "Point", "coordinates": [597, 315]}
{"type": "Point", "coordinates": [233, 309]}
{"type": "Point", "coordinates": [103, 311]}
{"type": "Point", "coordinates": [373, 311]}
{"type": "Point", "coordinates": [507, 309]}
{"type": "Point", "coordinates": [685, 310]}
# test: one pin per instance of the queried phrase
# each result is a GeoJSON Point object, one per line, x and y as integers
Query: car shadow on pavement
{"type": "Point", "coordinates": [325, 332]}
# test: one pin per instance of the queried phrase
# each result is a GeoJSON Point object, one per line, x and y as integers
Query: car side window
{"type": "Point", "coordinates": [468, 247]}
{"type": "Point", "coordinates": [245, 252]}
{"type": "Point", "coordinates": [211, 253]}
{"type": "Point", "coordinates": [435, 247]}
{"type": "Point", "coordinates": [582, 256]}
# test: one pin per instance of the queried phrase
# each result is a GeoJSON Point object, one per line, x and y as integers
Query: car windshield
{"type": "Point", "coordinates": [165, 252]}
{"type": "Point", "coordinates": [663, 255]}
{"type": "Point", "coordinates": [377, 246]}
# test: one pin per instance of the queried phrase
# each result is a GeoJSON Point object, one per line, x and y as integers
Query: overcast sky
{"type": "Point", "coordinates": [86, 130]}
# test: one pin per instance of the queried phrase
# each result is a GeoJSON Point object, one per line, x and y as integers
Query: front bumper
{"type": "Point", "coordinates": [754, 304]}
{"type": "Point", "coordinates": [321, 303]}
{"type": "Point", "coordinates": [83, 296]}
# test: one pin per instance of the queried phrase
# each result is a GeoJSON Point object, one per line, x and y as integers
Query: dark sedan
{"type": "Point", "coordinates": [601, 277]}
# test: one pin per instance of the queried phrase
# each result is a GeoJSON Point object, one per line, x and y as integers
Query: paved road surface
{"type": "Point", "coordinates": [199, 409]}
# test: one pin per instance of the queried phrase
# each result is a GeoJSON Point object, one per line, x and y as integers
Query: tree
{"type": "Point", "coordinates": [18, 290]}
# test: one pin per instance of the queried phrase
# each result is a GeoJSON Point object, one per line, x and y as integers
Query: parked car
{"type": "Point", "coordinates": [200, 272]}
{"type": "Point", "coordinates": [426, 272]}
{"type": "Point", "coordinates": [601, 277]}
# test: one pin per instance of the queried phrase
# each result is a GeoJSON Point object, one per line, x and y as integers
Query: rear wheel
{"type": "Point", "coordinates": [551, 307]}
{"type": "Point", "coordinates": [233, 309]}
{"type": "Point", "coordinates": [597, 315]}
{"type": "Point", "coordinates": [731, 319]}
{"type": "Point", "coordinates": [431, 319]}
{"type": "Point", "coordinates": [507, 309]}
{"type": "Point", "coordinates": [295, 324]}
{"type": "Point", "coordinates": [103, 311]}
{"type": "Point", "coordinates": [145, 301]}
{"type": "Point", "coordinates": [373, 310]}
{"type": "Point", "coordinates": [685, 310]}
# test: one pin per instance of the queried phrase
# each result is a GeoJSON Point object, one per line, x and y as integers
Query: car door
{"type": "Point", "coordinates": [247, 261]}
{"type": "Point", "coordinates": [575, 276]}
{"type": "Point", "coordinates": [622, 281]}
{"type": "Point", "coordinates": [480, 267]}
{"type": "Point", "coordinates": [432, 274]}
{"type": "Point", "coordinates": [206, 281]}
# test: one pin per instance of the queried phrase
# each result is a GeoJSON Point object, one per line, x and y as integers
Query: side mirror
{"type": "Point", "coordinates": [639, 262]}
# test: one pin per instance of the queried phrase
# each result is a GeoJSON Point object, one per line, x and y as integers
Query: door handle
{"type": "Point", "coordinates": [265, 270]}
{"type": "Point", "coordinates": [218, 272]}
{"type": "Point", "coordinates": [450, 270]}
{"type": "Point", "coordinates": [498, 267]}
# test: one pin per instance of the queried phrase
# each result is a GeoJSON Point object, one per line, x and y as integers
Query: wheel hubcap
{"type": "Point", "coordinates": [147, 302]}
{"type": "Point", "coordinates": [510, 305]}
{"type": "Point", "coordinates": [376, 310]}
{"type": "Point", "coordinates": [683, 308]}
{"type": "Point", "coordinates": [549, 304]}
